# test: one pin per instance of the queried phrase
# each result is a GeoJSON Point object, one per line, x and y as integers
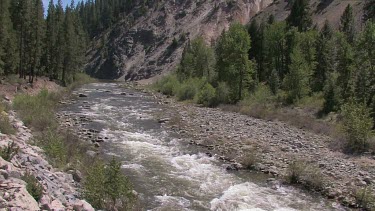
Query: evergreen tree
{"type": "Point", "coordinates": [296, 82]}
{"type": "Point", "coordinates": [233, 64]}
{"type": "Point", "coordinates": [274, 82]}
{"type": "Point", "coordinates": [347, 24]}
{"type": "Point", "coordinates": [345, 66]}
{"type": "Point", "coordinates": [8, 58]}
{"type": "Point", "coordinates": [37, 37]}
{"type": "Point", "coordinates": [300, 16]}
{"type": "Point", "coordinates": [50, 40]}
{"type": "Point", "coordinates": [369, 10]}
{"type": "Point", "coordinates": [324, 56]}
{"type": "Point", "coordinates": [332, 94]}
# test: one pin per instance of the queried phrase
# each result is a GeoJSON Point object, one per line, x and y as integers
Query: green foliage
{"type": "Point", "coordinates": [301, 172]}
{"type": "Point", "coordinates": [222, 93]}
{"type": "Point", "coordinates": [300, 16]}
{"type": "Point", "coordinates": [207, 96]}
{"type": "Point", "coordinates": [233, 64]}
{"type": "Point", "coordinates": [168, 85]}
{"type": "Point", "coordinates": [8, 152]}
{"type": "Point", "coordinates": [34, 188]}
{"type": "Point", "coordinates": [369, 9]}
{"type": "Point", "coordinates": [296, 82]}
{"type": "Point", "coordinates": [357, 126]}
{"type": "Point", "coordinates": [366, 199]}
{"type": "Point", "coordinates": [37, 111]}
{"type": "Point", "coordinates": [5, 125]}
{"type": "Point", "coordinates": [198, 60]}
{"type": "Point", "coordinates": [274, 82]}
{"type": "Point", "coordinates": [332, 95]}
{"type": "Point", "coordinates": [105, 186]}
{"type": "Point", "coordinates": [189, 88]}
{"type": "Point", "coordinates": [347, 23]}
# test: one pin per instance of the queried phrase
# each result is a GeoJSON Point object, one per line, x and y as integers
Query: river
{"type": "Point", "coordinates": [167, 172]}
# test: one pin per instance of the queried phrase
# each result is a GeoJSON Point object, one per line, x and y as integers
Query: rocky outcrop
{"type": "Point", "coordinates": [60, 190]}
{"type": "Point", "coordinates": [145, 48]}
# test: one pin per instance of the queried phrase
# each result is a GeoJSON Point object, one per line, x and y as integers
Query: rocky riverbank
{"type": "Point", "coordinates": [232, 137]}
{"type": "Point", "coordinates": [60, 189]}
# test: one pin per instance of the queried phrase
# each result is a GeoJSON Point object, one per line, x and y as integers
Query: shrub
{"type": "Point", "coordinates": [8, 152]}
{"type": "Point", "coordinates": [310, 176]}
{"type": "Point", "coordinates": [37, 111]}
{"type": "Point", "coordinates": [357, 126]}
{"type": "Point", "coordinates": [187, 91]}
{"type": "Point", "coordinates": [207, 96]}
{"type": "Point", "coordinates": [250, 159]}
{"type": "Point", "coordinates": [222, 93]}
{"type": "Point", "coordinates": [168, 85]}
{"type": "Point", "coordinates": [105, 187]}
{"type": "Point", "coordinates": [34, 188]}
{"type": "Point", "coordinates": [366, 199]}
{"type": "Point", "coordinates": [295, 172]}
{"type": "Point", "coordinates": [5, 125]}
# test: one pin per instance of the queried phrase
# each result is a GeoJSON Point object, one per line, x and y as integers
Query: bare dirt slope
{"type": "Point", "coordinates": [145, 48]}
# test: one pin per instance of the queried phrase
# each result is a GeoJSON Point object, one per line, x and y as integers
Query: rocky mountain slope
{"type": "Point", "coordinates": [152, 44]}
{"type": "Point", "coordinates": [147, 47]}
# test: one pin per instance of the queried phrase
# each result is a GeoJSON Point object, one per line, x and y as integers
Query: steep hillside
{"type": "Point", "coordinates": [321, 10]}
{"type": "Point", "coordinates": [154, 42]}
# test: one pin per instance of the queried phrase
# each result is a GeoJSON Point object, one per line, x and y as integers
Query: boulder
{"type": "Point", "coordinates": [82, 205]}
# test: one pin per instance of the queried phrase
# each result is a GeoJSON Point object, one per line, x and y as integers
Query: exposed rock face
{"type": "Point", "coordinates": [145, 48]}
{"type": "Point", "coordinates": [60, 191]}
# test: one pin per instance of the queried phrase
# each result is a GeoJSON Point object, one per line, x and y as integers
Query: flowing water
{"type": "Point", "coordinates": [168, 173]}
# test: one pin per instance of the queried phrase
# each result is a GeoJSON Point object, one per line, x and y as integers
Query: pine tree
{"type": "Point", "coordinates": [347, 24]}
{"type": "Point", "coordinates": [7, 40]}
{"type": "Point", "coordinates": [37, 37]}
{"type": "Point", "coordinates": [274, 82]}
{"type": "Point", "coordinates": [300, 16]}
{"type": "Point", "coordinates": [332, 94]}
{"type": "Point", "coordinates": [324, 56]}
{"type": "Point", "coordinates": [345, 66]}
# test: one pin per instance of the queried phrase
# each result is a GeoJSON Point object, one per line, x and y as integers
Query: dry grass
{"type": "Point", "coordinates": [306, 174]}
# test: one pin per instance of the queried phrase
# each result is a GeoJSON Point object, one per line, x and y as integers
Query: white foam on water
{"type": "Point", "coordinates": [172, 203]}
{"type": "Point", "coordinates": [249, 196]}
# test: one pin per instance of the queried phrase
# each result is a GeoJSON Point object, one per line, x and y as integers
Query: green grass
{"type": "Point", "coordinates": [5, 124]}
{"type": "Point", "coordinates": [34, 188]}
{"type": "Point", "coordinates": [8, 152]}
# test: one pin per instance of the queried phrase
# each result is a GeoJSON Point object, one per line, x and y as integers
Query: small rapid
{"type": "Point", "coordinates": [166, 171]}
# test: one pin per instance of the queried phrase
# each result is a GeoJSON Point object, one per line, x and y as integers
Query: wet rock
{"type": "Point", "coordinates": [82, 95]}
{"type": "Point", "coordinates": [122, 93]}
{"type": "Point", "coordinates": [163, 120]}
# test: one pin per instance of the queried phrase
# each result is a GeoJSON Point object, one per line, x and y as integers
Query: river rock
{"type": "Point", "coordinates": [82, 95]}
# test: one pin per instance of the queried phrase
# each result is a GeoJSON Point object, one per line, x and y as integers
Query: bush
{"type": "Point", "coordinates": [37, 111]}
{"type": "Point", "coordinates": [357, 126]}
{"type": "Point", "coordinates": [366, 199]}
{"type": "Point", "coordinates": [250, 160]}
{"type": "Point", "coordinates": [310, 176]}
{"type": "Point", "coordinates": [187, 91]}
{"type": "Point", "coordinates": [222, 93]}
{"type": "Point", "coordinates": [34, 188]}
{"type": "Point", "coordinates": [61, 148]}
{"type": "Point", "coordinates": [8, 152]}
{"type": "Point", "coordinates": [168, 85]}
{"type": "Point", "coordinates": [105, 187]}
{"type": "Point", "coordinates": [207, 96]}
{"type": "Point", "coordinates": [5, 125]}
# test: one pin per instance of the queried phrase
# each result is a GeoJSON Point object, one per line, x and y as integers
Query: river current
{"type": "Point", "coordinates": [167, 172]}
